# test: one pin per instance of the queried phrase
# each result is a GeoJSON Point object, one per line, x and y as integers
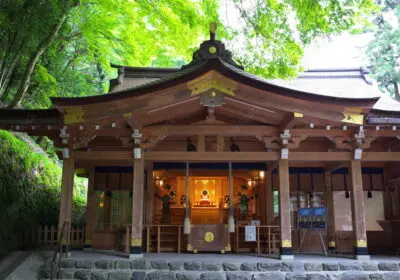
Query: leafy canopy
{"type": "Point", "coordinates": [384, 50]}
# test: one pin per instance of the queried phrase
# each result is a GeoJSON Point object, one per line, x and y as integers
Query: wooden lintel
{"type": "Point", "coordinates": [224, 130]}
{"type": "Point", "coordinates": [289, 121]}
{"type": "Point", "coordinates": [238, 156]}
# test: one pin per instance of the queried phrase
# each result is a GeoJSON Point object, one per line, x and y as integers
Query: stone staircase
{"type": "Point", "coordinates": [142, 269]}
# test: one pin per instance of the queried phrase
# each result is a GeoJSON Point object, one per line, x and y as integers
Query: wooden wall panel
{"type": "Point", "coordinates": [113, 181]}
{"type": "Point", "coordinates": [126, 181]}
{"type": "Point", "coordinates": [100, 181]}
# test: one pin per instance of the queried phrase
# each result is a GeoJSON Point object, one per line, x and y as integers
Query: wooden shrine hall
{"type": "Point", "coordinates": [193, 159]}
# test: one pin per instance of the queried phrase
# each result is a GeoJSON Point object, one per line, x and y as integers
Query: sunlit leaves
{"type": "Point", "coordinates": [384, 54]}
{"type": "Point", "coordinates": [275, 32]}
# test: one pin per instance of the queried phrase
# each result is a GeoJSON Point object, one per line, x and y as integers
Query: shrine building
{"type": "Point", "coordinates": [211, 158]}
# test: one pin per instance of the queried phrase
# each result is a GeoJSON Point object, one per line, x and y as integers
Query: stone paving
{"type": "Point", "coordinates": [223, 267]}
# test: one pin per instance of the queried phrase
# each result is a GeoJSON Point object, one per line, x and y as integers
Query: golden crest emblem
{"type": "Point", "coordinates": [208, 237]}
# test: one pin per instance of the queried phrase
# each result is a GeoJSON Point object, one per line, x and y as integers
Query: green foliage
{"type": "Point", "coordinates": [30, 191]}
{"type": "Point", "coordinates": [276, 31]}
{"type": "Point", "coordinates": [384, 52]}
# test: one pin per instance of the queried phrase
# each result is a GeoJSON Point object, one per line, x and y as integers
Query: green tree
{"type": "Point", "coordinates": [83, 37]}
{"type": "Point", "coordinates": [276, 32]}
{"type": "Point", "coordinates": [384, 50]}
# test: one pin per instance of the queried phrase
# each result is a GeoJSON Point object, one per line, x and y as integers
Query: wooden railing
{"type": "Point", "coordinates": [267, 240]}
{"type": "Point", "coordinates": [159, 238]}
{"type": "Point", "coordinates": [47, 236]}
{"type": "Point", "coordinates": [170, 238]}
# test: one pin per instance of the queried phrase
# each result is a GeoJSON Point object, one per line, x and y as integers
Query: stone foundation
{"type": "Point", "coordinates": [213, 270]}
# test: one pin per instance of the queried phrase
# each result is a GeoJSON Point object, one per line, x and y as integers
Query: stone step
{"type": "Point", "coordinates": [111, 269]}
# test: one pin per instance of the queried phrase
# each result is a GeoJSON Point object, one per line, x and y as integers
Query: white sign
{"type": "Point", "coordinates": [250, 233]}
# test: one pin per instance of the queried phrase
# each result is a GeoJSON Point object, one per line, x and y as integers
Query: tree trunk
{"type": "Point", "coordinates": [26, 78]}
{"type": "Point", "coordinates": [4, 83]}
{"type": "Point", "coordinates": [396, 91]}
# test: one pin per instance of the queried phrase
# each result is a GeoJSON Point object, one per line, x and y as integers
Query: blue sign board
{"type": "Point", "coordinates": [312, 218]}
{"type": "Point", "coordinates": [304, 219]}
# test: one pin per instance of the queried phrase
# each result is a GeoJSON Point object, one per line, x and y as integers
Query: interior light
{"type": "Point", "coordinates": [101, 204]}
{"type": "Point", "coordinates": [262, 175]}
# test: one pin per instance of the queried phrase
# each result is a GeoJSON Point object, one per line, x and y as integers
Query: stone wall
{"type": "Point", "coordinates": [214, 270]}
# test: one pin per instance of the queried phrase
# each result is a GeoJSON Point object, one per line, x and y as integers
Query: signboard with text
{"type": "Point", "coordinates": [250, 233]}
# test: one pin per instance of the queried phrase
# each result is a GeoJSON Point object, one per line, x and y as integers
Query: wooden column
{"type": "Point", "coordinates": [137, 205]}
{"type": "Point", "coordinates": [149, 193]}
{"type": "Point", "coordinates": [331, 212]}
{"type": "Point", "coordinates": [262, 202]}
{"type": "Point", "coordinates": [65, 215]}
{"type": "Point", "coordinates": [358, 211]}
{"type": "Point", "coordinates": [90, 209]}
{"type": "Point", "coordinates": [284, 210]}
{"type": "Point", "coordinates": [387, 196]}
{"type": "Point", "coordinates": [269, 207]}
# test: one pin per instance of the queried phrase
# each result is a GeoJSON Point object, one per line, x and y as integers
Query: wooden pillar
{"type": "Point", "coordinates": [387, 196]}
{"type": "Point", "coordinates": [149, 193]}
{"type": "Point", "coordinates": [331, 212]}
{"type": "Point", "coordinates": [358, 211]}
{"type": "Point", "coordinates": [286, 251]}
{"type": "Point", "coordinates": [269, 209]}
{"type": "Point", "coordinates": [65, 215]}
{"type": "Point", "coordinates": [137, 204]}
{"type": "Point", "coordinates": [90, 209]}
{"type": "Point", "coordinates": [262, 202]}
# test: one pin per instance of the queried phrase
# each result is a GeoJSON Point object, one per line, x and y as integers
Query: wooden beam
{"type": "Point", "coordinates": [212, 156]}
{"type": "Point", "coordinates": [320, 156]}
{"type": "Point", "coordinates": [284, 208]}
{"type": "Point", "coordinates": [381, 156]}
{"type": "Point", "coordinates": [290, 120]}
{"type": "Point", "coordinates": [238, 156]}
{"type": "Point", "coordinates": [358, 209]}
{"type": "Point", "coordinates": [224, 130]}
{"type": "Point", "coordinates": [257, 131]}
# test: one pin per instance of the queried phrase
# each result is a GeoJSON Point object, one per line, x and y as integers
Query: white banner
{"type": "Point", "coordinates": [250, 233]}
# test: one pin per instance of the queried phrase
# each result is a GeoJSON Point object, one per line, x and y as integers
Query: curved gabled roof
{"type": "Point", "coordinates": [226, 69]}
